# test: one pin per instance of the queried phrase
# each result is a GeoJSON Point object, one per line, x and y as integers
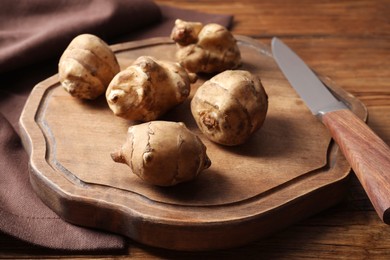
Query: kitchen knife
{"type": "Point", "coordinates": [368, 155]}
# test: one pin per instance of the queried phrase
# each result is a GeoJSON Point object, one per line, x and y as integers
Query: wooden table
{"type": "Point", "coordinates": [348, 41]}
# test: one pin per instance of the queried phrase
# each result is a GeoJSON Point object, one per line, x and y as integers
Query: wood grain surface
{"type": "Point", "coordinates": [348, 41]}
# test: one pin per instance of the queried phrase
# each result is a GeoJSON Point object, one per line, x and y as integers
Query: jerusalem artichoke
{"type": "Point", "coordinates": [163, 153]}
{"type": "Point", "coordinates": [230, 107]}
{"type": "Point", "coordinates": [87, 66]}
{"type": "Point", "coordinates": [210, 48]}
{"type": "Point", "coordinates": [148, 88]}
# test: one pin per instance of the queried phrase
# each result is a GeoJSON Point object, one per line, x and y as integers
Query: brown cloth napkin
{"type": "Point", "coordinates": [33, 35]}
{"type": "Point", "coordinates": [34, 30]}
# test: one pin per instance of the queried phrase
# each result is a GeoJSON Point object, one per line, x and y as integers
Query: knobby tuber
{"type": "Point", "coordinates": [87, 66]}
{"type": "Point", "coordinates": [148, 88]}
{"type": "Point", "coordinates": [210, 48]}
{"type": "Point", "coordinates": [163, 153]}
{"type": "Point", "coordinates": [230, 107]}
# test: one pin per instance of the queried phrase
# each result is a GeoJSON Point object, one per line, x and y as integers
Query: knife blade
{"type": "Point", "coordinates": [368, 154]}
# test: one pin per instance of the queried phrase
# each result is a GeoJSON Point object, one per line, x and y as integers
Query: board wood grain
{"type": "Point", "coordinates": [289, 170]}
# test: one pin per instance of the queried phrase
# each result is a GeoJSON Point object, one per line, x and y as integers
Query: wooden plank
{"type": "Point", "coordinates": [263, 18]}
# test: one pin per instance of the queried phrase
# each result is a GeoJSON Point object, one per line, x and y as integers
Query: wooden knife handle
{"type": "Point", "coordinates": [368, 155]}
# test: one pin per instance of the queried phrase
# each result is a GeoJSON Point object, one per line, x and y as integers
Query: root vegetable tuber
{"type": "Point", "coordinates": [87, 66]}
{"type": "Point", "coordinates": [163, 153]}
{"type": "Point", "coordinates": [230, 107]}
{"type": "Point", "coordinates": [148, 88]}
{"type": "Point", "coordinates": [210, 48]}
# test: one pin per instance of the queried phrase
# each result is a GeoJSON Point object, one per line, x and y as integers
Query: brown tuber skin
{"type": "Point", "coordinates": [230, 107]}
{"type": "Point", "coordinates": [209, 49]}
{"type": "Point", "coordinates": [163, 153]}
{"type": "Point", "coordinates": [87, 66]}
{"type": "Point", "coordinates": [148, 88]}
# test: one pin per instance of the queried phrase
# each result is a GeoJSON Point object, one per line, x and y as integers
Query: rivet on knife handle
{"type": "Point", "coordinates": [368, 155]}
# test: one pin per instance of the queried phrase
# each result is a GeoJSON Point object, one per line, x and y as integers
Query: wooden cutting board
{"type": "Point", "coordinates": [289, 170]}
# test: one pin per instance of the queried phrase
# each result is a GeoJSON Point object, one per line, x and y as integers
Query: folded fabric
{"type": "Point", "coordinates": [38, 30]}
{"type": "Point", "coordinates": [34, 30]}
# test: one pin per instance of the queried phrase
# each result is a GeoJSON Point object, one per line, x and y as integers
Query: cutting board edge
{"type": "Point", "coordinates": [185, 236]}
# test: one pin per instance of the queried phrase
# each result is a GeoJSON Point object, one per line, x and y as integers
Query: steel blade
{"type": "Point", "coordinates": [309, 87]}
